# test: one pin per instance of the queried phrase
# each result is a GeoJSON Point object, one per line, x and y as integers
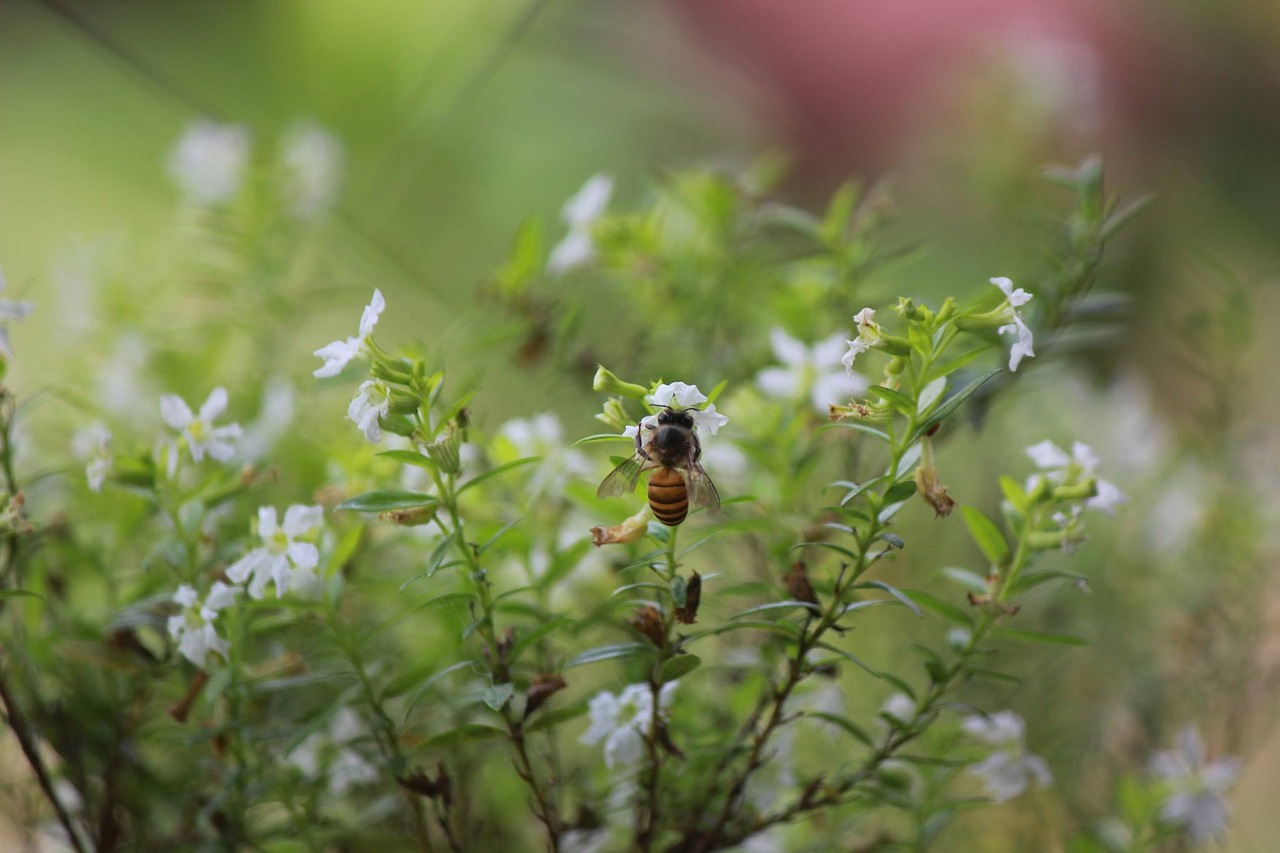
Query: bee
{"type": "Point", "coordinates": [672, 452]}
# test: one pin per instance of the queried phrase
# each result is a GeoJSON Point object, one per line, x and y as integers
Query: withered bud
{"type": "Point", "coordinates": [990, 605]}
{"type": "Point", "coordinates": [797, 581]}
{"type": "Point", "coordinates": [440, 788]}
{"type": "Point", "coordinates": [628, 531]}
{"type": "Point", "coordinates": [543, 687]}
{"type": "Point", "coordinates": [182, 710]}
{"type": "Point", "coordinates": [933, 492]}
{"type": "Point", "coordinates": [688, 614]}
{"type": "Point", "coordinates": [648, 621]}
{"type": "Point", "coordinates": [415, 517]}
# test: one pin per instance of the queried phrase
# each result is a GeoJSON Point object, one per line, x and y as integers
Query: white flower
{"type": "Point", "coordinates": [543, 436]}
{"type": "Point", "coordinates": [1197, 792]}
{"type": "Point", "coordinates": [283, 558]}
{"type": "Point", "coordinates": [201, 435]}
{"type": "Point", "coordinates": [648, 423]}
{"type": "Point", "coordinates": [10, 312]}
{"type": "Point", "coordinates": [1009, 769]}
{"type": "Point", "coordinates": [1022, 347]}
{"type": "Point", "coordinates": [194, 627]}
{"type": "Point", "coordinates": [810, 370]}
{"type": "Point", "coordinates": [868, 333]}
{"type": "Point", "coordinates": [338, 354]}
{"type": "Point", "coordinates": [676, 395]}
{"type": "Point", "coordinates": [208, 162]}
{"type": "Point", "coordinates": [900, 706]}
{"type": "Point", "coordinates": [311, 160]}
{"type": "Point", "coordinates": [623, 722]}
{"type": "Point", "coordinates": [709, 419]}
{"type": "Point", "coordinates": [372, 401]}
{"type": "Point", "coordinates": [344, 767]}
{"type": "Point", "coordinates": [92, 445]}
{"type": "Point", "coordinates": [580, 213]}
{"type": "Point", "coordinates": [1081, 464]}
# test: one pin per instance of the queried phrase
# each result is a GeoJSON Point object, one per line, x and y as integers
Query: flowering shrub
{"type": "Point", "coordinates": [452, 617]}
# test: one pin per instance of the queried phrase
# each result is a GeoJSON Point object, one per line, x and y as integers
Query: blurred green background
{"type": "Point", "coordinates": [460, 118]}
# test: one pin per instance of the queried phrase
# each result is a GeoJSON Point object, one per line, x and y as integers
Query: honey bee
{"type": "Point", "coordinates": [672, 452]}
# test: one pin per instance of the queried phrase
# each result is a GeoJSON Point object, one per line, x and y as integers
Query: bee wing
{"type": "Point", "coordinates": [701, 490]}
{"type": "Point", "coordinates": [622, 480]}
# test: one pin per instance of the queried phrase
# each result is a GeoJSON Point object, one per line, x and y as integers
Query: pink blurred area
{"type": "Point", "coordinates": [847, 80]}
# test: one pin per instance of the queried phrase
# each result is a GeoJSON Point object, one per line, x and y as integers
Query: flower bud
{"type": "Point", "coordinates": [387, 372]}
{"type": "Point", "coordinates": [629, 530]}
{"type": "Point", "coordinates": [398, 424]}
{"type": "Point", "coordinates": [413, 517]}
{"type": "Point", "coordinates": [906, 308]}
{"type": "Point", "coordinates": [933, 492]}
{"type": "Point", "coordinates": [446, 452]}
{"type": "Point", "coordinates": [614, 414]}
{"type": "Point", "coordinates": [648, 622]}
{"type": "Point", "coordinates": [540, 690]}
{"type": "Point", "coordinates": [797, 581]}
{"type": "Point", "coordinates": [687, 613]}
{"type": "Point", "coordinates": [402, 402]}
{"type": "Point", "coordinates": [606, 382]}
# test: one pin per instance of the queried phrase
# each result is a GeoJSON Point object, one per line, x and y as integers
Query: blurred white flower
{"type": "Point", "coordinates": [1196, 798]}
{"type": "Point", "coordinates": [121, 377]}
{"type": "Point", "coordinates": [10, 312]}
{"type": "Point", "coordinates": [209, 161]}
{"type": "Point", "coordinates": [201, 435]}
{"type": "Point", "coordinates": [283, 558]}
{"type": "Point", "coordinates": [372, 401]}
{"type": "Point", "coordinates": [542, 435]}
{"type": "Point", "coordinates": [339, 354]}
{"type": "Point", "coordinates": [311, 162]}
{"type": "Point", "coordinates": [580, 212]}
{"type": "Point", "coordinates": [1009, 769]}
{"type": "Point", "coordinates": [810, 370]}
{"type": "Point", "coordinates": [709, 419]}
{"type": "Point", "coordinates": [1016, 298]}
{"type": "Point", "coordinates": [1082, 464]}
{"type": "Point", "coordinates": [868, 333]}
{"type": "Point", "coordinates": [275, 416]}
{"type": "Point", "coordinates": [676, 395]}
{"type": "Point", "coordinates": [92, 445]}
{"type": "Point", "coordinates": [330, 754]}
{"type": "Point", "coordinates": [623, 722]}
{"type": "Point", "coordinates": [900, 706]}
{"type": "Point", "coordinates": [194, 627]}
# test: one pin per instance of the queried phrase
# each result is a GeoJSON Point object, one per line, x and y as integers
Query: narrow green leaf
{"type": "Point", "coordinates": [892, 538]}
{"type": "Point", "coordinates": [1014, 494]}
{"type": "Point", "coordinates": [779, 605]}
{"type": "Point", "coordinates": [844, 723]}
{"type": "Point", "coordinates": [409, 457]}
{"type": "Point", "coordinates": [852, 658]}
{"type": "Point", "coordinates": [474, 666]}
{"type": "Point", "coordinates": [986, 535]}
{"type": "Point", "coordinates": [678, 666]}
{"type": "Point", "coordinates": [953, 402]}
{"type": "Point", "coordinates": [497, 472]}
{"type": "Point", "coordinates": [930, 395]}
{"type": "Point", "coordinates": [610, 652]}
{"type": "Point", "coordinates": [854, 425]}
{"type": "Point", "coordinates": [899, 492]}
{"type": "Point", "coordinates": [526, 640]}
{"type": "Point", "coordinates": [447, 598]}
{"type": "Point", "coordinates": [551, 718]}
{"type": "Point", "coordinates": [782, 628]}
{"type": "Point", "coordinates": [604, 436]}
{"type": "Point", "coordinates": [897, 399]}
{"type": "Point", "coordinates": [830, 546]}
{"type": "Point", "coordinates": [892, 590]}
{"type": "Point", "coordinates": [969, 580]}
{"type": "Point", "coordinates": [385, 500]}
{"type": "Point", "coordinates": [920, 340]}
{"type": "Point", "coordinates": [993, 675]}
{"type": "Point", "coordinates": [497, 695]}
{"type": "Point", "coordinates": [937, 605]}
{"type": "Point", "coordinates": [470, 733]}
{"type": "Point", "coordinates": [1030, 580]}
{"type": "Point", "coordinates": [958, 362]}
{"type": "Point", "coordinates": [1039, 637]}
{"type": "Point", "coordinates": [501, 532]}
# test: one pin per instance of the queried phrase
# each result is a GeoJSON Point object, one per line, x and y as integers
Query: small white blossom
{"type": "Point", "coordinates": [647, 423]}
{"type": "Point", "coordinates": [868, 333]}
{"type": "Point", "coordinates": [283, 558]}
{"type": "Point", "coordinates": [900, 706]}
{"type": "Point", "coordinates": [1009, 769]}
{"type": "Point", "coordinates": [330, 754]}
{"type": "Point", "coordinates": [208, 162]}
{"type": "Point", "coordinates": [709, 419]}
{"type": "Point", "coordinates": [1197, 791]}
{"type": "Point", "coordinates": [10, 312]}
{"type": "Point", "coordinates": [812, 370]}
{"type": "Point", "coordinates": [92, 445]}
{"type": "Point", "coordinates": [1022, 347]}
{"type": "Point", "coordinates": [311, 162]}
{"type": "Point", "coordinates": [201, 435]}
{"type": "Point", "coordinates": [676, 395]}
{"type": "Point", "coordinates": [543, 436]}
{"type": "Point", "coordinates": [339, 354]}
{"type": "Point", "coordinates": [194, 628]}
{"type": "Point", "coordinates": [1082, 463]}
{"type": "Point", "coordinates": [623, 722]}
{"type": "Point", "coordinates": [580, 213]}
{"type": "Point", "coordinates": [372, 401]}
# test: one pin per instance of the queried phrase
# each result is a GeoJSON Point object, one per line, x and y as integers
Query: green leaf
{"type": "Point", "coordinates": [986, 535]}
{"type": "Point", "coordinates": [1039, 637]}
{"type": "Point", "coordinates": [930, 395]}
{"type": "Point", "coordinates": [892, 538]}
{"type": "Point", "coordinates": [434, 563]}
{"type": "Point", "coordinates": [779, 605]}
{"type": "Point", "coordinates": [993, 675]}
{"type": "Point", "coordinates": [897, 399]}
{"type": "Point", "coordinates": [497, 695]}
{"type": "Point", "coordinates": [551, 718]}
{"type": "Point", "coordinates": [959, 362]}
{"type": "Point", "coordinates": [967, 579]}
{"type": "Point", "coordinates": [502, 531]}
{"type": "Point", "coordinates": [1014, 494]}
{"type": "Point", "coordinates": [852, 658]}
{"type": "Point", "coordinates": [604, 436]}
{"type": "Point", "coordinates": [953, 402]}
{"type": "Point", "coordinates": [1030, 580]}
{"type": "Point", "coordinates": [899, 492]}
{"type": "Point", "coordinates": [409, 457]}
{"type": "Point", "coordinates": [784, 629]}
{"type": "Point", "coordinates": [830, 546]}
{"type": "Point", "coordinates": [474, 666]}
{"type": "Point", "coordinates": [524, 641]}
{"type": "Point", "coordinates": [920, 340]}
{"type": "Point", "coordinates": [470, 733]}
{"type": "Point", "coordinates": [937, 605]}
{"type": "Point", "coordinates": [892, 590]}
{"type": "Point", "coordinates": [447, 598]}
{"type": "Point", "coordinates": [610, 652]}
{"type": "Point", "coordinates": [20, 593]}
{"type": "Point", "coordinates": [678, 666]}
{"type": "Point", "coordinates": [844, 723]}
{"type": "Point", "coordinates": [854, 425]}
{"type": "Point", "coordinates": [385, 500]}
{"type": "Point", "coordinates": [497, 472]}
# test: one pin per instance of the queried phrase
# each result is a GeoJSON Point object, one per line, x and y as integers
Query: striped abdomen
{"type": "Point", "coordinates": [668, 496]}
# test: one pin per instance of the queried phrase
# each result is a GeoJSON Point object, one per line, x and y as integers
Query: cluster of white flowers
{"type": "Point", "coordinates": [580, 213]}
{"type": "Point", "coordinates": [542, 435]}
{"type": "Point", "coordinates": [373, 398]}
{"type": "Point", "coordinates": [812, 371]}
{"type": "Point", "coordinates": [10, 312]}
{"type": "Point", "coordinates": [194, 628]}
{"type": "Point", "coordinates": [1015, 299]}
{"type": "Point", "coordinates": [1058, 467]}
{"type": "Point", "coordinates": [681, 396]}
{"type": "Point", "coordinates": [92, 445]}
{"type": "Point", "coordinates": [285, 557]}
{"type": "Point", "coordinates": [210, 160]}
{"type": "Point", "coordinates": [1196, 790]}
{"type": "Point", "coordinates": [1009, 769]}
{"type": "Point", "coordinates": [331, 755]}
{"type": "Point", "coordinates": [623, 722]}
{"type": "Point", "coordinates": [198, 431]}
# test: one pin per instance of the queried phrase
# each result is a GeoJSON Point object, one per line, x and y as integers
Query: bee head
{"type": "Point", "coordinates": [675, 417]}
